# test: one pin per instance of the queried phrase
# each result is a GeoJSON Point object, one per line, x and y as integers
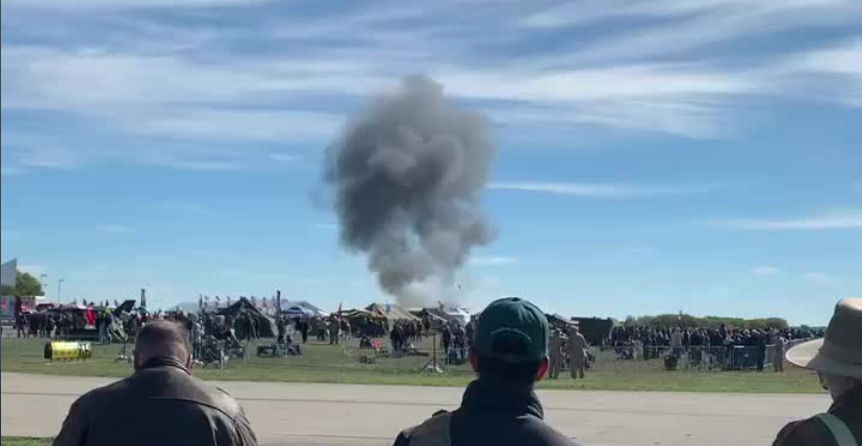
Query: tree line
{"type": "Point", "coordinates": [25, 285]}
{"type": "Point", "coordinates": [689, 321]}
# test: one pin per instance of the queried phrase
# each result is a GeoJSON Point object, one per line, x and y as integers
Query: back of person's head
{"type": "Point", "coordinates": [836, 356]}
{"type": "Point", "coordinates": [511, 343]}
{"type": "Point", "coordinates": [162, 340]}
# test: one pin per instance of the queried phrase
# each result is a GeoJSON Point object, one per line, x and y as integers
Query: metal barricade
{"type": "Point", "coordinates": [692, 358]}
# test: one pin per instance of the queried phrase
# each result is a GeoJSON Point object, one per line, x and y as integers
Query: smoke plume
{"type": "Point", "coordinates": [407, 174]}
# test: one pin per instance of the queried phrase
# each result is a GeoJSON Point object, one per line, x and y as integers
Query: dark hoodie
{"type": "Point", "coordinates": [498, 415]}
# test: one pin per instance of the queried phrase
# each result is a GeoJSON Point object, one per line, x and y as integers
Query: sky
{"type": "Point", "coordinates": [654, 156]}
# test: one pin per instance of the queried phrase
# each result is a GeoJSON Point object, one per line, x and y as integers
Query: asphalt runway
{"type": "Point", "coordinates": [352, 415]}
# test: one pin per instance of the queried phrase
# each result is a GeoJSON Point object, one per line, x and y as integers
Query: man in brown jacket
{"type": "Point", "coordinates": [577, 346]}
{"type": "Point", "coordinates": [160, 404]}
{"type": "Point", "coordinates": [838, 360]}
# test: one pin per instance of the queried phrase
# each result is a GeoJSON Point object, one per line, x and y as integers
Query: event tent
{"type": "Point", "coordinates": [265, 324]}
{"type": "Point", "coordinates": [391, 311]}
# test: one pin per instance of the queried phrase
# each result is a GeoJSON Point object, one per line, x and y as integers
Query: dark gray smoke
{"type": "Point", "coordinates": [408, 173]}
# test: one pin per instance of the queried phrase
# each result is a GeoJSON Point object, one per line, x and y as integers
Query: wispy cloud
{"type": "Point", "coordinates": [597, 190]}
{"type": "Point", "coordinates": [850, 219]}
{"type": "Point", "coordinates": [493, 260]}
{"type": "Point", "coordinates": [817, 277]}
{"type": "Point", "coordinates": [674, 26]}
{"type": "Point", "coordinates": [126, 4]}
{"type": "Point", "coordinates": [115, 229]}
{"type": "Point", "coordinates": [150, 79]}
{"type": "Point", "coordinates": [765, 270]}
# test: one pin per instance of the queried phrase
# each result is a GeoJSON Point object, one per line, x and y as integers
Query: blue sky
{"type": "Point", "coordinates": [655, 156]}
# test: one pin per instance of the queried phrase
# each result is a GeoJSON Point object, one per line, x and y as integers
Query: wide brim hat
{"type": "Point", "coordinates": [840, 351]}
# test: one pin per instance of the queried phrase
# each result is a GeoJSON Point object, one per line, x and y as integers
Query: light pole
{"type": "Point", "coordinates": [42, 278]}
{"type": "Point", "coordinates": [60, 290]}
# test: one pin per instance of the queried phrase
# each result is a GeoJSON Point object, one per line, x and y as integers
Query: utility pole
{"type": "Point", "coordinates": [60, 290]}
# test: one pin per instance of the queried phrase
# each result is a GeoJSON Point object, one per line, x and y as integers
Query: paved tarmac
{"type": "Point", "coordinates": [334, 414]}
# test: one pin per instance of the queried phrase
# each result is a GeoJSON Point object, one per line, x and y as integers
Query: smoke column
{"type": "Point", "coordinates": [407, 174]}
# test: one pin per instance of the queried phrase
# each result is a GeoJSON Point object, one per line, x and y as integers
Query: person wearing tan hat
{"type": "Point", "coordinates": [838, 360]}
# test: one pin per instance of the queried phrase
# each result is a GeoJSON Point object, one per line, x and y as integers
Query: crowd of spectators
{"type": "Point", "coordinates": [724, 347]}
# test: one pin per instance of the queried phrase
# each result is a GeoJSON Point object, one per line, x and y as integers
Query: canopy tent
{"type": "Point", "coordinates": [393, 312]}
{"type": "Point", "coordinates": [265, 324]}
{"type": "Point", "coordinates": [361, 313]}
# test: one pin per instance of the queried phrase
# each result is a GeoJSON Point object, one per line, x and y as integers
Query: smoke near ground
{"type": "Point", "coordinates": [407, 174]}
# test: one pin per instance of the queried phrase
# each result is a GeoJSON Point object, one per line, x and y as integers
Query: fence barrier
{"type": "Point", "coordinates": [349, 357]}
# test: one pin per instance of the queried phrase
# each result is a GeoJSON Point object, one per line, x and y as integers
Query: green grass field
{"type": "Point", "coordinates": [18, 441]}
{"type": "Point", "coordinates": [340, 364]}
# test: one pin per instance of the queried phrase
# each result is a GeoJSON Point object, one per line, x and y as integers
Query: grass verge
{"type": "Point", "coordinates": [336, 364]}
{"type": "Point", "coordinates": [21, 441]}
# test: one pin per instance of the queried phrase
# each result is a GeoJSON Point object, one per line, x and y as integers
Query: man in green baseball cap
{"type": "Point", "coordinates": [509, 355]}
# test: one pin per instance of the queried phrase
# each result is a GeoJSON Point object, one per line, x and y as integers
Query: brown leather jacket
{"type": "Point", "coordinates": [812, 432]}
{"type": "Point", "coordinates": [160, 405]}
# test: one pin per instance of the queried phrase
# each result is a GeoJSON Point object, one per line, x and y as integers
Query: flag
{"type": "Point", "coordinates": [339, 309]}
{"type": "Point", "coordinates": [218, 299]}
{"type": "Point", "coordinates": [116, 303]}
{"type": "Point", "coordinates": [200, 302]}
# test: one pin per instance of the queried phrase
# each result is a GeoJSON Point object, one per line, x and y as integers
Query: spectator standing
{"type": "Point", "coordinates": [500, 408]}
{"type": "Point", "coordinates": [577, 346]}
{"type": "Point", "coordinates": [838, 360]}
{"type": "Point", "coordinates": [778, 355]}
{"type": "Point", "coordinates": [303, 329]}
{"type": "Point", "coordinates": [21, 326]}
{"type": "Point", "coordinates": [555, 353]}
{"type": "Point", "coordinates": [446, 338]}
{"type": "Point", "coordinates": [334, 331]}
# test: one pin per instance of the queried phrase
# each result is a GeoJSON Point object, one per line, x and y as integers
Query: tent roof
{"type": "Point", "coordinates": [391, 311]}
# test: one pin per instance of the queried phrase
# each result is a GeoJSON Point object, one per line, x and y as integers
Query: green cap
{"type": "Point", "coordinates": [512, 330]}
